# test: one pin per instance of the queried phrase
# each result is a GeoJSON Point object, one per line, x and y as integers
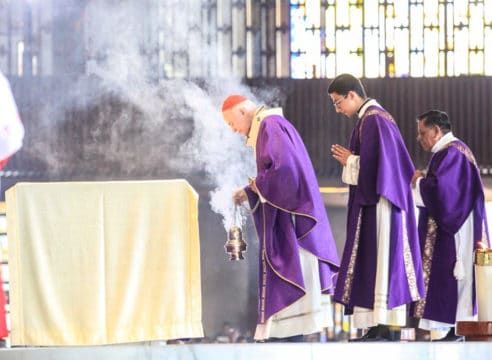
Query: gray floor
{"type": "Point", "coordinates": [304, 351]}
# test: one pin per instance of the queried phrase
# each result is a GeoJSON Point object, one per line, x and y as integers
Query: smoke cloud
{"type": "Point", "coordinates": [132, 124]}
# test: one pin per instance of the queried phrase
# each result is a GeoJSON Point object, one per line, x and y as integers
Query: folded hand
{"type": "Point", "coordinates": [340, 153]}
{"type": "Point", "coordinates": [416, 175]}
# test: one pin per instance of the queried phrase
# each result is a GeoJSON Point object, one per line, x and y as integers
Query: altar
{"type": "Point", "coordinates": [96, 263]}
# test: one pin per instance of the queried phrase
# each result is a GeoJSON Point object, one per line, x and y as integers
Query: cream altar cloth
{"type": "Point", "coordinates": [103, 262]}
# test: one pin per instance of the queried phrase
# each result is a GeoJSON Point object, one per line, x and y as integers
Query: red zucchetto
{"type": "Point", "coordinates": [231, 101]}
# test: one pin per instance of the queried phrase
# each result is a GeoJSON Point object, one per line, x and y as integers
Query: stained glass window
{"type": "Point", "coordinates": [394, 38]}
{"type": "Point", "coordinates": [25, 38]}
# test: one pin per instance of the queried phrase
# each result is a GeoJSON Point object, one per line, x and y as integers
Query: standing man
{"type": "Point", "coordinates": [298, 256]}
{"type": "Point", "coordinates": [381, 268]}
{"type": "Point", "coordinates": [452, 221]}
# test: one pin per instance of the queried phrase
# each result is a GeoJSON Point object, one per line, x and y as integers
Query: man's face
{"type": "Point", "coordinates": [238, 119]}
{"type": "Point", "coordinates": [344, 104]}
{"type": "Point", "coordinates": [428, 136]}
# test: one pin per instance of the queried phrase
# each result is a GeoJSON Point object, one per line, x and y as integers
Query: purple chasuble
{"type": "Point", "coordinates": [385, 170]}
{"type": "Point", "coordinates": [451, 190]}
{"type": "Point", "coordinates": [293, 216]}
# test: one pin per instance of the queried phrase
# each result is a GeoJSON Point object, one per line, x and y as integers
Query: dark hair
{"type": "Point", "coordinates": [344, 83]}
{"type": "Point", "coordinates": [436, 117]}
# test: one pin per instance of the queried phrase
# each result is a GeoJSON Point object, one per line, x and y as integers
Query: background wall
{"type": "Point", "coordinates": [465, 99]}
{"type": "Point", "coordinates": [97, 120]}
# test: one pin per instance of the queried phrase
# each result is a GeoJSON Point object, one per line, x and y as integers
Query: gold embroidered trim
{"type": "Point", "coordinates": [291, 212]}
{"type": "Point", "coordinates": [298, 214]}
{"type": "Point", "coordinates": [266, 261]}
{"type": "Point", "coordinates": [263, 288]}
{"type": "Point", "coordinates": [463, 150]}
{"type": "Point", "coordinates": [408, 260]}
{"type": "Point", "coordinates": [430, 240]}
{"type": "Point", "coordinates": [264, 273]}
{"type": "Point", "coordinates": [347, 286]}
{"type": "Point", "coordinates": [381, 112]}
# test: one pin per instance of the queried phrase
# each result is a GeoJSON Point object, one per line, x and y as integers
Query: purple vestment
{"type": "Point", "coordinates": [385, 170]}
{"type": "Point", "coordinates": [286, 180]}
{"type": "Point", "coordinates": [451, 190]}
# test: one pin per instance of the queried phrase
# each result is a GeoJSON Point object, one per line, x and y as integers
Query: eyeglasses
{"type": "Point", "coordinates": [336, 103]}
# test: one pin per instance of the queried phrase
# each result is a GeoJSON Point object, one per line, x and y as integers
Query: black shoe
{"type": "Point", "coordinates": [375, 333]}
{"type": "Point", "coordinates": [451, 336]}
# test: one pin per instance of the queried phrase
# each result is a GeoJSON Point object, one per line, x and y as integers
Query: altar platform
{"type": "Point", "coordinates": [280, 351]}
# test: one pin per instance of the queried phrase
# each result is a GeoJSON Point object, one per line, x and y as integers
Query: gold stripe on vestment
{"type": "Point", "coordinates": [408, 260]}
{"type": "Point", "coordinates": [430, 241]}
{"type": "Point", "coordinates": [464, 151]}
{"type": "Point", "coordinates": [349, 278]}
{"type": "Point", "coordinates": [298, 214]}
{"type": "Point", "coordinates": [381, 112]}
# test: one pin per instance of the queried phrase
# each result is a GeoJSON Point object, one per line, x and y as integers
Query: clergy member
{"type": "Point", "coordinates": [452, 222]}
{"type": "Point", "coordinates": [381, 270]}
{"type": "Point", "coordinates": [298, 257]}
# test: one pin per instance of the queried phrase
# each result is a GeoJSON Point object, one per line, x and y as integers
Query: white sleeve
{"type": "Point", "coordinates": [417, 197]}
{"type": "Point", "coordinates": [350, 174]}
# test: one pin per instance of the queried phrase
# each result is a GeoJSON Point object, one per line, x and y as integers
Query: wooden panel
{"type": "Point", "coordinates": [306, 104]}
{"type": "Point", "coordinates": [466, 100]}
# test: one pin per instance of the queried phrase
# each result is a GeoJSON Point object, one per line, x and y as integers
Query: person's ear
{"type": "Point", "coordinates": [437, 130]}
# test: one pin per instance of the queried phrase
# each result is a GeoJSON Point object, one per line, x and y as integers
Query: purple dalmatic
{"type": "Point", "coordinates": [451, 191]}
{"type": "Point", "coordinates": [293, 216]}
{"type": "Point", "coordinates": [385, 170]}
